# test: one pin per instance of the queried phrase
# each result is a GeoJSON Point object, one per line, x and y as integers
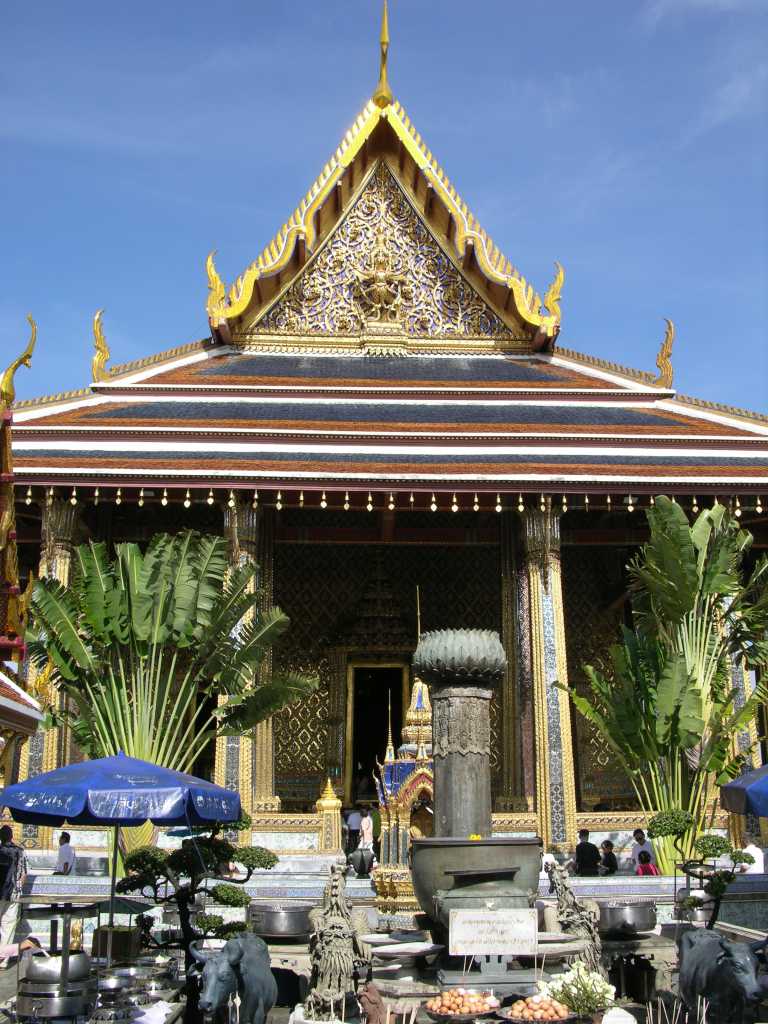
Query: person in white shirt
{"type": "Point", "coordinates": [758, 868]}
{"type": "Point", "coordinates": [640, 845]}
{"type": "Point", "coordinates": [65, 864]}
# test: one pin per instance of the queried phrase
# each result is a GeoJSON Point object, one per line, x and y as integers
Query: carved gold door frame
{"type": "Point", "coordinates": [352, 664]}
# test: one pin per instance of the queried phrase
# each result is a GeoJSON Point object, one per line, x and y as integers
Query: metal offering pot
{"type": "Point", "coordinates": [280, 920]}
{"type": "Point", "coordinates": [622, 917]}
{"type": "Point", "coordinates": [37, 1006]}
{"type": "Point", "coordinates": [42, 968]}
{"type": "Point", "coordinates": [163, 964]}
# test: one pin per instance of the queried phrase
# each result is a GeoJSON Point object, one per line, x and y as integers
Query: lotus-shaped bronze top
{"type": "Point", "coordinates": [460, 657]}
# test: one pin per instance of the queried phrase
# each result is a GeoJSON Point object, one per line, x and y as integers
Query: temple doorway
{"type": "Point", "coordinates": [370, 691]}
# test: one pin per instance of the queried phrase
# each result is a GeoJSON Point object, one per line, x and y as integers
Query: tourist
{"type": "Point", "coordinates": [376, 818]}
{"type": "Point", "coordinates": [65, 863]}
{"type": "Point", "coordinates": [14, 949]}
{"type": "Point", "coordinates": [645, 865]}
{"type": "Point", "coordinates": [587, 856]}
{"type": "Point", "coordinates": [13, 871]}
{"type": "Point", "coordinates": [756, 868]}
{"type": "Point", "coordinates": [366, 830]}
{"type": "Point", "coordinates": [608, 863]}
{"type": "Point", "coordinates": [354, 819]}
{"type": "Point", "coordinates": [640, 845]}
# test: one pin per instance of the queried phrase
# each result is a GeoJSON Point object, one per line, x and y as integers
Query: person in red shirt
{"type": "Point", "coordinates": [645, 865]}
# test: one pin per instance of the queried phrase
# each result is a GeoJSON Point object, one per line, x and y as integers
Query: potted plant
{"type": "Point", "coordinates": [713, 880]}
{"type": "Point", "coordinates": [586, 993]}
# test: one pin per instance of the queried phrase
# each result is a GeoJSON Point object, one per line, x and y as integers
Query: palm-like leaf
{"type": "Point", "coordinates": [136, 643]}
{"type": "Point", "coordinates": [668, 707]}
{"type": "Point", "coordinates": [262, 702]}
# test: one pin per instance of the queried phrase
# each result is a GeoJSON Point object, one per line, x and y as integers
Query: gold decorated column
{"type": "Point", "coordinates": [512, 796]}
{"type": "Point", "coordinates": [48, 750]}
{"type": "Point", "coordinates": [264, 797]}
{"type": "Point", "coordinates": [246, 763]}
{"type": "Point", "coordinates": [544, 650]}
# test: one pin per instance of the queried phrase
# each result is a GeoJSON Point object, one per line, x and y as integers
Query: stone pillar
{"type": "Point", "coordinates": [543, 648]}
{"type": "Point", "coordinates": [329, 809]}
{"type": "Point", "coordinates": [48, 750]}
{"type": "Point", "coordinates": [461, 749]}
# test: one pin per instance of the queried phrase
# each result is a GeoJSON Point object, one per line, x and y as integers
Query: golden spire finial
{"type": "Point", "coordinates": [99, 370]}
{"type": "Point", "coordinates": [389, 756]}
{"type": "Point", "coordinates": [664, 358]}
{"type": "Point", "coordinates": [382, 97]}
{"type": "Point", "coordinates": [7, 388]}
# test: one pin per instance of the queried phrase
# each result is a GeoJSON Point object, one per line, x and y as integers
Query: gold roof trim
{"type": "Point", "coordinates": [135, 364]}
{"type": "Point", "coordinates": [729, 410]}
{"type": "Point", "coordinates": [664, 358]}
{"type": "Point", "coordinates": [641, 376]}
{"type": "Point", "coordinates": [7, 385]}
{"type": "Point", "coordinates": [492, 262]}
{"type": "Point", "coordinates": [101, 355]}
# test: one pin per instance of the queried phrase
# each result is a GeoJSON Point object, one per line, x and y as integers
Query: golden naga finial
{"type": "Point", "coordinates": [382, 97]}
{"type": "Point", "coordinates": [664, 358]}
{"type": "Point", "coordinates": [216, 290]}
{"type": "Point", "coordinates": [99, 370]}
{"type": "Point", "coordinates": [7, 388]}
{"type": "Point", "coordinates": [552, 298]}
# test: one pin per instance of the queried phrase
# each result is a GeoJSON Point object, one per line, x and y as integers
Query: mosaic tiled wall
{"type": "Point", "coordinates": [593, 586]}
{"type": "Point", "coordinates": [320, 585]}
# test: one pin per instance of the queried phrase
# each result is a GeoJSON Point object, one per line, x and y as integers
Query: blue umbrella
{"type": "Point", "coordinates": [117, 791]}
{"type": "Point", "coordinates": [748, 794]}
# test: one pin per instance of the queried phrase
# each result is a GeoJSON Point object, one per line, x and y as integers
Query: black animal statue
{"type": "Point", "coordinates": [722, 972]}
{"type": "Point", "coordinates": [241, 966]}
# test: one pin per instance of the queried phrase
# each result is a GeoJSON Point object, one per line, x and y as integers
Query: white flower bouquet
{"type": "Point", "coordinates": [582, 991]}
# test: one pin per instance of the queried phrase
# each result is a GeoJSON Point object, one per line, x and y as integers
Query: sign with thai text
{"type": "Point", "coordinates": [493, 933]}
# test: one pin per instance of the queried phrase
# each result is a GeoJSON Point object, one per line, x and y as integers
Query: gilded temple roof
{"type": "Point", "coordinates": [383, 138]}
{"type": "Point", "coordinates": [381, 341]}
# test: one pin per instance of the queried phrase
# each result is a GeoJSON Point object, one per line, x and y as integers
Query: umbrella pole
{"type": "Point", "coordinates": [112, 895]}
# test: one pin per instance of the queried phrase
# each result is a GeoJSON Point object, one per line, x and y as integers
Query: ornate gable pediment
{"type": "Point", "coordinates": [382, 273]}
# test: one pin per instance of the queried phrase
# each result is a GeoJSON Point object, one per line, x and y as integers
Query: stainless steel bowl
{"type": "Point", "coordinates": [42, 968]}
{"type": "Point", "coordinates": [280, 920]}
{"type": "Point", "coordinates": [626, 918]}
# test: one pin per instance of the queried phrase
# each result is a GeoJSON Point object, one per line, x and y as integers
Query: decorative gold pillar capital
{"type": "Point", "coordinates": [241, 529]}
{"type": "Point", "coordinates": [59, 519]}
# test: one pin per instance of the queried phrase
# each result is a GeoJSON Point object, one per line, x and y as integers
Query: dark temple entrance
{"type": "Point", "coordinates": [372, 688]}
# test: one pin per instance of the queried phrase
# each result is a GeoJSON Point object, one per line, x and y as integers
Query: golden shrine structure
{"type": "Point", "coordinates": [383, 402]}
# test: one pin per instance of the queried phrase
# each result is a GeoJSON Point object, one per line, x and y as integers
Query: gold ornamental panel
{"type": "Point", "coordinates": [383, 266]}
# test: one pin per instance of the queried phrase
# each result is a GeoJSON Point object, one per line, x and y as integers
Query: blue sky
{"type": "Point", "coordinates": [626, 138]}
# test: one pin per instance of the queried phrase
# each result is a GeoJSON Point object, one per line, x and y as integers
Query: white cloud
{"type": "Point", "coordinates": [655, 11]}
{"type": "Point", "coordinates": [742, 94]}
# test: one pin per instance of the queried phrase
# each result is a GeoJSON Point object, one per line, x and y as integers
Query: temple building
{"type": "Point", "coordinates": [383, 403]}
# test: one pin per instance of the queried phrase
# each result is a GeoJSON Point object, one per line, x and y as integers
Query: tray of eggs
{"type": "Point", "coordinates": [461, 1004]}
{"type": "Point", "coordinates": [536, 1008]}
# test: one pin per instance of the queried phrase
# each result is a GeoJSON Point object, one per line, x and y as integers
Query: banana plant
{"type": "Point", "coordinates": [666, 704]}
{"type": "Point", "coordinates": [140, 642]}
